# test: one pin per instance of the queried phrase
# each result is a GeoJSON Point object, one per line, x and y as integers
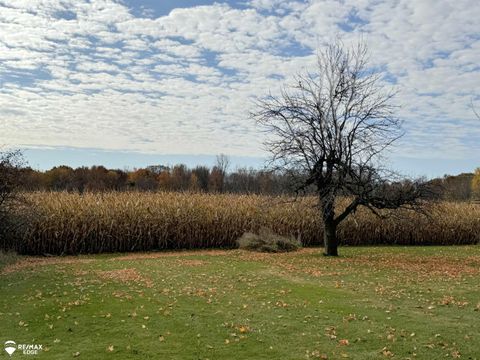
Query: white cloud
{"type": "Point", "coordinates": [90, 74]}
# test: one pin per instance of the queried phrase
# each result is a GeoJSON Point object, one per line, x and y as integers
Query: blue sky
{"type": "Point", "coordinates": [130, 83]}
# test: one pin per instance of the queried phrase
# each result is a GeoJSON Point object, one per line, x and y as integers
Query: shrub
{"type": "Point", "coordinates": [267, 241]}
{"type": "Point", "coordinates": [10, 163]}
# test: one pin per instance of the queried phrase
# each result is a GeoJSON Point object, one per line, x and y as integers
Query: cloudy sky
{"type": "Point", "coordinates": [131, 83]}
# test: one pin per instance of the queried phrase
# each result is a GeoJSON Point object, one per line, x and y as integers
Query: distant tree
{"type": "Point", "coordinates": [328, 132]}
{"type": "Point", "coordinates": [120, 179]}
{"type": "Point", "coordinates": [194, 183]}
{"type": "Point", "coordinates": [202, 173]}
{"type": "Point", "coordinates": [243, 181]}
{"type": "Point", "coordinates": [216, 180]}
{"type": "Point", "coordinates": [219, 173]}
{"type": "Point", "coordinates": [476, 184]}
{"type": "Point", "coordinates": [437, 189]}
{"type": "Point", "coordinates": [143, 179]}
{"type": "Point", "coordinates": [59, 178]}
{"type": "Point", "coordinates": [222, 162]}
{"type": "Point", "coordinates": [265, 182]}
{"type": "Point", "coordinates": [81, 178]}
{"type": "Point", "coordinates": [30, 179]}
{"type": "Point", "coordinates": [99, 178]}
{"type": "Point", "coordinates": [157, 169]}
{"type": "Point", "coordinates": [180, 177]}
{"type": "Point", "coordinates": [165, 180]}
{"type": "Point", "coordinates": [457, 187]}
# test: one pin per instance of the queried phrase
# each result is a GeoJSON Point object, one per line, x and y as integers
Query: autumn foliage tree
{"type": "Point", "coordinates": [143, 179]}
{"type": "Point", "coordinates": [219, 173]}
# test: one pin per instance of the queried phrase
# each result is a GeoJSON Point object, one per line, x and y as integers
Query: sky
{"type": "Point", "coordinates": [131, 83]}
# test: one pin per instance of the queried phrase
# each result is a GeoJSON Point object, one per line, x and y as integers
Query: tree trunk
{"type": "Point", "coordinates": [330, 238]}
{"type": "Point", "coordinates": [327, 204]}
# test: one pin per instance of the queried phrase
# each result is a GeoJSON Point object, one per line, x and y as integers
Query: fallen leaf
{"type": "Point", "coordinates": [243, 329]}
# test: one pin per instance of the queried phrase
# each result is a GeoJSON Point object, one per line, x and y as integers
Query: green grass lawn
{"type": "Point", "coordinates": [370, 303]}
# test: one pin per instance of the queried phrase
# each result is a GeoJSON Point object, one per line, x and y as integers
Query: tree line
{"type": "Point", "coordinates": [154, 178]}
{"type": "Point", "coordinates": [462, 187]}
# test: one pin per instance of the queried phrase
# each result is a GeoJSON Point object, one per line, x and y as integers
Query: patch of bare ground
{"type": "Point", "coordinates": [125, 276]}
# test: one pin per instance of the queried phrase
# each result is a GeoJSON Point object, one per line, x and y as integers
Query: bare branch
{"type": "Point", "coordinates": [329, 128]}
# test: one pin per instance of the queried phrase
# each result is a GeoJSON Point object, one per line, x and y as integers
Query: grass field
{"type": "Point", "coordinates": [371, 303]}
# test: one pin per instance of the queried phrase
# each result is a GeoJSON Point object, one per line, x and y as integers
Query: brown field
{"type": "Point", "coordinates": [69, 223]}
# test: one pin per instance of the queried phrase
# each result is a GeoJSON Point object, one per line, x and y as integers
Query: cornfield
{"type": "Point", "coordinates": [69, 223]}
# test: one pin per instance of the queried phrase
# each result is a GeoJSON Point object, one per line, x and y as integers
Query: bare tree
{"type": "Point", "coordinates": [219, 173]}
{"type": "Point", "coordinates": [328, 131]}
{"type": "Point", "coordinates": [222, 162]}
